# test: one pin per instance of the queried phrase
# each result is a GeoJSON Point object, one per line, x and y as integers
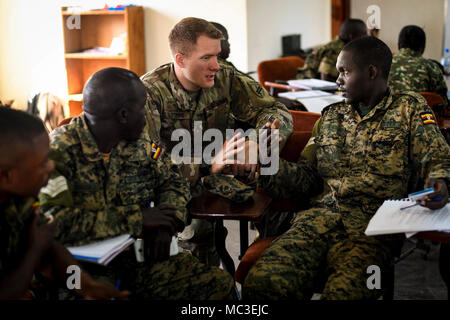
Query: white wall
{"type": "Point", "coordinates": [396, 14]}
{"type": "Point", "coordinates": [31, 43]}
{"type": "Point", "coordinates": [268, 20]}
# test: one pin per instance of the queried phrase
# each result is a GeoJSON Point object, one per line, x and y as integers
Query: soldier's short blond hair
{"type": "Point", "coordinates": [185, 33]}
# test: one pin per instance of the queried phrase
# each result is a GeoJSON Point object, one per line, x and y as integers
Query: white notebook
{"type": "Point", "coordinates": [390, 219]}
{"type": "Point", "coordinates": [102, 252]}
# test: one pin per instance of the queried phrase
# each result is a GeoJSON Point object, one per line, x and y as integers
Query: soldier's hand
{"type": "Point", "coordinates": [95, 290]}
{"type": "Point", "coordinates": [270, 130]}
{"type": "Point", "coordinates": [247, 169]}
{"type": "Point", "coordinates": [157, 245]}
{"type": "Point", "coordinates": [40, 238]}
{"type": "Point", "coordinates": [227, 156]}
{"type": "Point", "coordinates": [439, 198]}
{"type": "Point", "coordinates": [163, 216]}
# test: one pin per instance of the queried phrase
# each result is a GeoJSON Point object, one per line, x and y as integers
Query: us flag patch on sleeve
{"type": "Point", "coordinates": [427, 118]}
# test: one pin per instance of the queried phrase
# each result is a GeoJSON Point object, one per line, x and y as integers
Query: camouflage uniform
{"type": "Point", "coordinates": [92, 200]}
{"type": "Point", "coordinates": [233, 98]}
{"type": "Point", "coordinates": [16, 215]}
{"type": "Point", "coordinates": [411, 72]}
{"type": "Point", "coordinates": [359, 162]}
{"type": "Point", "coordinates": [322, 60]}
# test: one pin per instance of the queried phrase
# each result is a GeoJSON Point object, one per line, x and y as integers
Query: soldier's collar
{"type": "Point", "coordinates": [87, 141]}
{"type": "Point", "coordinates": [382, 105]}
{"type": "Point", "coordinates": [179, 93]}
{"type": "Point", "coordinates": [138, 150]}
{"type": "Point", "coordinates": [409, 52]}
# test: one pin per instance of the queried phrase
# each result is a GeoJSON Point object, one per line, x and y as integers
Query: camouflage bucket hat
{"type": "Point", "coordinates": [228, 187]}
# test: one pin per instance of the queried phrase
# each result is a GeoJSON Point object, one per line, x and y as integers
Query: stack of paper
{"type": "Point", "coordinates": [313, 84]}
{"type": "Point", "coordinates": [389, 218]}
{"type": "Point", "coordinates": [294, 95]}
{"type": "Point", "coordinates": [102, 252]}
{"type": "Point", "coordinates": [319, 103]}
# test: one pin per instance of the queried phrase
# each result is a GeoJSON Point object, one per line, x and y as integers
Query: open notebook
{"type": "Point", "coordinates": [102, 252]}
{"type": "Point", "coordinates": [389, 218]}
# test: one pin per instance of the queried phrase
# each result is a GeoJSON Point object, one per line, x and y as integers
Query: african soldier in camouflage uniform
{"type": "Point", "coordinates": [363, 156]}
{"type": "Point", "coordinates": [26, 238]}
{"type": "Point", "coordinates": [412, 72]}
{"type": "Point", "coordinates": [97, 194]}
{"type": "Point", "coordinates": [321, 63]}
{"type": "Point", "coordinates": [196, 87]}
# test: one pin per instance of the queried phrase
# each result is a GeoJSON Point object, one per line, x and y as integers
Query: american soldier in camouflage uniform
{"type": "Point", "coordinates": [412, 72]}
{"type": "Point", "coordinates": [196, 87]}
{"type": "Point", "coordinates": [362, 157]}
{"type": "Point", "coordinates": [321, 63]}
{"type": "Point", "coordinates": [95, 194]}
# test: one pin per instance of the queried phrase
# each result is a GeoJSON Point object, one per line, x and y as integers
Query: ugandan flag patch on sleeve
{"type": "Point", "coordinates": [427, 118]}
{"type": "Point", "coordinates": [156, 151]}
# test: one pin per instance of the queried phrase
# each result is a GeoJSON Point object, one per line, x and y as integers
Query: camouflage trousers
{"type": "Point", "coordinates": [181, 277]}
{"type": "Point", "coordinates": [317, 249]}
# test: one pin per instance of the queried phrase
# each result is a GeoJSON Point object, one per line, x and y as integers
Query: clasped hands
{"type": "Point", "coordinates": [240, 156]}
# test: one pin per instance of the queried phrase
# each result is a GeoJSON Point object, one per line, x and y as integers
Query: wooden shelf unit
{"type": "Point", "coordinates": [97, 28]}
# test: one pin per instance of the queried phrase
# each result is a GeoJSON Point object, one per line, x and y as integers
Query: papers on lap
{"type": "Point", "coordinates": [390, 219]}
{"type": "Point", "coordinates": [102, 252]}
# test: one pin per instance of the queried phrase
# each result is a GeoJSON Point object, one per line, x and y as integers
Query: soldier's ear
{"type": "Point", "coordinates": [122, 115]}
{"type": "Point", "coordinates": [373, 72]}
{"type": "Point", "coordinates": [7, 177]}
{"type": "Point", "coordinates": [179, 59]}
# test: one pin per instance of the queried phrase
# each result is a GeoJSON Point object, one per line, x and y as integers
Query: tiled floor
{"type": "Point", "coordinates": [415, 277]}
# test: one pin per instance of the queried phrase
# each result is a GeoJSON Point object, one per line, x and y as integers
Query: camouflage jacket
{"type": "Point", "coordinates": [16, 215]}
{"type": "Point", "coordinates": [411, 72]}
{"type": "Point", "coordinates": [91, 200]}
{"type": "Point", "coordinates": [362, 162]}
{"type": "Point", "coordinates": [322, 60]}
{"type": "Point", "coordinates": [234, 97]}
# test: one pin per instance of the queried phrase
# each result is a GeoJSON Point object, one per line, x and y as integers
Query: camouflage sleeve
{"type": "Point", "coordinates": [437, 81]}
{"type": "Point", "coordinates": [152, 116]}
{"type": "Point", "coordinates": [252, 104]}
{"type": "Point", "coordinates": [75, 225]}
{"type": "Point", "coordinates": [309, 69]}
{"type": "Point", "coordinates": [172, 189]}
{"type": "Point", "coordinates": [309, 151]}
{"type": "Point", "coordinates": [428, 149]}
{"type": "Point", "coordinates": [328, 66]}
{"type": "Point", "coordinates": [291, 180]}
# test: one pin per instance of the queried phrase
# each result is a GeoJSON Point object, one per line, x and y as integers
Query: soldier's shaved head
{"type": "Point", "coordinates": [110, 89]}
{"type": "Point", "coordinates": [352, 29]}
{"type": "Point", "coordinates": [371, 51]}
{"type": "Point", "coordinates": [18, 130]}
{"type": "Point", "coordinates": [412, 37]}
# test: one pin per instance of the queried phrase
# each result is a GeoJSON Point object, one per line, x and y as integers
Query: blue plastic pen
{"type": "Point", "coordinates": [418, 203]}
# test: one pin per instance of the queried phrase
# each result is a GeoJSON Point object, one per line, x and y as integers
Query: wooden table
{"type": "Point", "coordinates": [215, 208]}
